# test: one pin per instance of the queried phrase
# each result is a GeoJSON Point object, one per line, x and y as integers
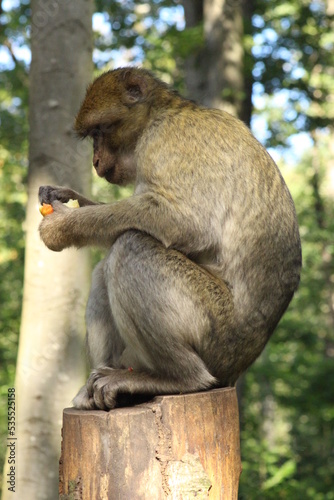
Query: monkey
{"type": "Point", "coordinates": [202, 260]}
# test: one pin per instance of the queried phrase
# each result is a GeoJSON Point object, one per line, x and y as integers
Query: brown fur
{"type": "Point", "coordinates": [204, 257]}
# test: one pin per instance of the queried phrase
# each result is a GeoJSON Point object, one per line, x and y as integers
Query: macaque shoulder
{"type": "Point", "coordinates": [198, 141]}
{"type": "Point", "coordinates": [182, 130]}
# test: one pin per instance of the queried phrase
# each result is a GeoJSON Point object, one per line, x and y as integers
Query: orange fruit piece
{"type": "Point", "coordinates": [46, 209]}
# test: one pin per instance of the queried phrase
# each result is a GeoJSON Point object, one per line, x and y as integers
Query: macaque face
{"type": "Point", "coordinates": [114, 114]}
{"type": "Point", "coordinates": [110, 162]}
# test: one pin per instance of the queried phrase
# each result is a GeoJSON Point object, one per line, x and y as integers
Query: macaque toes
{"type": "Point", "coordinates": [203, 259]}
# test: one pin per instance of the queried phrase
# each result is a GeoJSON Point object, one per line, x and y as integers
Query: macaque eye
{"type": "Point", "coordinates": [96, 142]}
{"type": "Point", "coordinates": [95, 133]}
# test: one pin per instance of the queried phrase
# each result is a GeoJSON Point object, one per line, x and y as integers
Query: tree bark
{"type": "Point", "coordinates": [215, 73]}
{"type": "Point", "coordinates": [50, 365]}
{"type": "Point", "coordinates": [174, 447]}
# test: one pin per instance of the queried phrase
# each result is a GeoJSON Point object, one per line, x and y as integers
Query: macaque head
{"type": "Point", "coordinates": [117, 108]}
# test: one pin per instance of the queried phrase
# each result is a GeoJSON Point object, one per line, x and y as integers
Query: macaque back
{"type": "Point", "coordinates": [204, 257]}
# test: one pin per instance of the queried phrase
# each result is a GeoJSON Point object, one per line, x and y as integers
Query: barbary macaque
{"type": "Point", "coordinates": [203, 259]}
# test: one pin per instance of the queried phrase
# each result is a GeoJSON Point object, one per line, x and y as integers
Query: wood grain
{"type": "Point", "coordinates": [174, 447]}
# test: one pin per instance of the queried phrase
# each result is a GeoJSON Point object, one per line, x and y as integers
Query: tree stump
{"type": "Point", "coordinates": [174, 447]}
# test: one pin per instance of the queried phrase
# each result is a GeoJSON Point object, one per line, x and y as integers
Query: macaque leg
{"type": "Point", "coordinates": [104, 343]}
{"type": "Point", "coordinates": [156, 298]}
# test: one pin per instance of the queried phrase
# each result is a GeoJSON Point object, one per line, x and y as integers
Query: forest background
{"type": "Point", "coordinates": [286, 398]}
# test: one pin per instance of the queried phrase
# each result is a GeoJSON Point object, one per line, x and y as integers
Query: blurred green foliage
{"type": "Point", "coordinates": [287, 411]}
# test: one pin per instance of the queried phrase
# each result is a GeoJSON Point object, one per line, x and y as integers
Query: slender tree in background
{"type": "Point", "coordinates": [50, 365]}
{"type": "Point", "coordinates": [216, 73]}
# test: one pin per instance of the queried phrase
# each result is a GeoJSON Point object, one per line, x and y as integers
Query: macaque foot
{"type": "Point", "coordinates": [100, 391]}
{"type": "Point", "coordinates": [83, 401]}
{"type": "Point", "coordinates": [97, 393]}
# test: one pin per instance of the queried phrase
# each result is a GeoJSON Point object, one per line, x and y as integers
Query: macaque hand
{"type": "Point", "coordinates": [49, 194]}
{"type": "Point", "coordinates": [54, 227]}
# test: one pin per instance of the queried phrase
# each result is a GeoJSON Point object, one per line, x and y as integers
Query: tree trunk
{"type": "Point", "coordinates": [50, 365]}
{"type": "Point", "coordinates": [177, 447]}
{"type": "Point", "coordinates": [215, 74]}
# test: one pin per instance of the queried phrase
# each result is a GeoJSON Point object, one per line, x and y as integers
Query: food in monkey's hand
{"type": "Point", "coordinates": [47, 209]}
{"type": "Point", "coordinates": [72, 204]}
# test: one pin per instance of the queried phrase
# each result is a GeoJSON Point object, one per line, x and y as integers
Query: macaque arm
{"type": "Point", "coordinates": [101, 225]}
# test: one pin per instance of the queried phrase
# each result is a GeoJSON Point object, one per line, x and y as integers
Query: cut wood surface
{"type": "Point", "coordinates": [174, 447]}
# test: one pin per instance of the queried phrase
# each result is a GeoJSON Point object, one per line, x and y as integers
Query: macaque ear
{"type": "Point", "coordinates": [135, 87]}
{"type": "Point", "coordinates": [134, 93]}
